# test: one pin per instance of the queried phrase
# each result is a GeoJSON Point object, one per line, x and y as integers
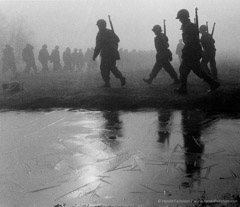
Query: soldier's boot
{"type": "Point", "coordinates": [106, 85]}
{"type": "Point", "coordinates": [213, 87]}
{"type": "Point", "coordinates": [148, 81]}
{"type": "Point", "coordinates": [176, 81]}
{"type": "Point", "coordinates": [123, 81]}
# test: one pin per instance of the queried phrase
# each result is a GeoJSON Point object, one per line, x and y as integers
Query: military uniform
{"type": "Point", "coordinates": [44, 57]}
{"type": "Point", "coordinates": [107, 45]}
{"type": "Point", "coordinates": [55, 59]}
{"type": "Point", "coordinates": [67, 59]}
{"type": "Point", "coordinates": [209, 52]}
{"type": "Point", "coordinates": [191, 55]}
{"type": "Point", "coordinates": [29, 59]}
{"type": "Point", "coordinates": [163, 57]}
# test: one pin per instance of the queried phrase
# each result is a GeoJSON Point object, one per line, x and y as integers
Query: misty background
{"type": "Point", "coordinates": [73, 23]}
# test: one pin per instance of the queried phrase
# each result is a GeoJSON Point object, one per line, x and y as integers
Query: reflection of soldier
{"type": "Point", "coordinates": [67, 59]}
{"type": "Point", "coordinates": [113, 126]}
{"type": "Point", "coordinates": [192, 126]}
{"type": "Point", "coordinates": [43, 58]}
{"type": "Point", "coordinates": [107, 44]}
{"type": "Point", "coordinates": [164, 121]}
{"type": "Point", "coordinates": [55, 59]}
{"type": "Point", "coordinates": [191, 54]}
{"type": "Point", "coordinates": [8, 60]}
{"type": "Point", "coordinates": [28, 58]}
{"type": "Point", "coordinates": [163, 57]}
{"type": "Point", "coordinates": [209, 52]}
{"type": "Point", "coordinates": [179, 48]}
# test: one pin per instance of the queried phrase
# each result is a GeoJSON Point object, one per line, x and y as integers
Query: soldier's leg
{"type": "Point", "coordinates": [34, 67]}
{"type": "Point", "coordinates": [198, 70]}
{"type": "Point", "coordinates": [213, 67]}
{"type": "Point", "coordinates": [170, 70]}
{"type": "Point", "coordinates": [184, 71]}
{"type": "Point", "coordinates": [204, 63]}
{"type": "Point", "coordinates": [156, 68]}
{"type": "Point", "coordinates": [116, 72]}
{"type": "Point", "coordinates": [105, 71]}
{"type": "Point", "coordinates": [27, 68]}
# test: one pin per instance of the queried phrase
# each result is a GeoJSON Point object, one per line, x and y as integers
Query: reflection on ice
{"type": "Point", "coordinates": [116, 157]}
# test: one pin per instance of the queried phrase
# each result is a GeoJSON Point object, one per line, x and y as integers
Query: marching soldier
{"type": "Point", "coordinates": [209, 52]}
{"type": "Point", "coordinates": [55, 59]}
{"type": "Point", "coordinates": [107, 45]}
{"type": "Point", "coordinates": [191, 54]}
{"type": "Point", "coordinates": [67, 59]}
{"type": "Point", "coordinates": [29, 59]}
{"type": "Point", "coordinates": [163, 57]}
{"type": "Point", "coordinates": [43, 58]}
{"type": "Point", "coordinates": [75, 60]}
{"type": "Point", "coordinates": [8, 60]}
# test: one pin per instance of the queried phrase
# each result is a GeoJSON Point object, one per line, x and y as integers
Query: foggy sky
{"type": "Point", "coordinates": [73, 23]}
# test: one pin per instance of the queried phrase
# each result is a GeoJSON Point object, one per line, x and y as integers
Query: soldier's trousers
{"type": "Point", "coordinates": [30, 65]}
{"type": "Point", "coordinates": [189, 65]}
{"type": "Point", "coordinates": [109, 65]}
{"type": "Point", "coordinates": [163, 63]}
{"type": "Point", "coordinates": [210, 58]}
{"type": "Point", "coordinates": [57, 66]}
{"type": "Point", "coordinates": [45, 67]}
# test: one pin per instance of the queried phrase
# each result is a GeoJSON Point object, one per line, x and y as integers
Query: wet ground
{"type": "Point", "coordinates": [119, 158]}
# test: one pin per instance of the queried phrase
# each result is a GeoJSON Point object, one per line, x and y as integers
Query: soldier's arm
{"type": "Point", "coordinates": [99, 45]}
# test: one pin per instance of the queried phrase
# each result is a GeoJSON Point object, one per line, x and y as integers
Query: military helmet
{"type": "Point", "coordinates": [203, 28]}
{"type": "Point", "coordinates": [44, 46]}
{"type": "Point", "coordinates": [183, 13]}
{"type": "Point", "coordinates": [157, 28]}
{"type": "Point", "coordinates": [102, 23]}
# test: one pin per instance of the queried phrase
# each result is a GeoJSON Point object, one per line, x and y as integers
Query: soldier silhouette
{"type": "Point", "coordinates": [107, 45]}
{"type": "Point", "coordinates": [209, 52]}
{"type": "Point", "coordinates": [191, 55]}
{"type": "Point", "coordinates": [163, 57]}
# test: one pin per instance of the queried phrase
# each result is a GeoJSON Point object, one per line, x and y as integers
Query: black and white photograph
{"type": "Point", "coordinates": [119, 103]}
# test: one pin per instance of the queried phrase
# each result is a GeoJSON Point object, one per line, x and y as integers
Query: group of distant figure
{"type": "Point", "coordinates": [194, 54]}
{"type": "Point", "coordinates": [72, 61]}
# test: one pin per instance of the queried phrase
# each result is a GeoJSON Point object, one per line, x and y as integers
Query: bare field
{"type": "Point", "coordinates": [81, 90]}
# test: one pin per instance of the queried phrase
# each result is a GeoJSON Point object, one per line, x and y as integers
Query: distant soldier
{"type": "Point", "coordinates": [43, 58]}
{"type": "Point", "coordinates": [67, 59]}
{"type": "Point", "coordinates": [92, 65]}
{"type": "Point", "coordinates": [163, 57]}
{"type": "Point", "coordinates": [29, 59]}
{"type": "Point", "coordinates": [55, 59]}
{"type": "Point", "coordinates": [107, 45]}
{"type": "Point", "coordinates": [81, 59]}
{"type": "Point", "coordinates": [191, 54]}
{"type": "Point", "coordinates": [179, 48]}
{"type": "Point", "coordinates": [75, 62]}
{"type": "Point", "coordinates": [8, 60]}
{"type": "Point", "coordinates": [209, 52]}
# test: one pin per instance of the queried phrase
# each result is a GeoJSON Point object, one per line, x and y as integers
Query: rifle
{"type": "Point", "coordinates": [196, 19]}
{"type": "Point", "coordinates": [207, 27]}
{"type": "Point", "coordinates": [213, 29]}
{"type": "Point", "coordinates": [164, 27]}
{"type": "Point", "coordinates": [110, 23]}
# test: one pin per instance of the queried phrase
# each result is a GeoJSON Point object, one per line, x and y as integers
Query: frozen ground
{"type": "Point", "coordinates": [118, 158]}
